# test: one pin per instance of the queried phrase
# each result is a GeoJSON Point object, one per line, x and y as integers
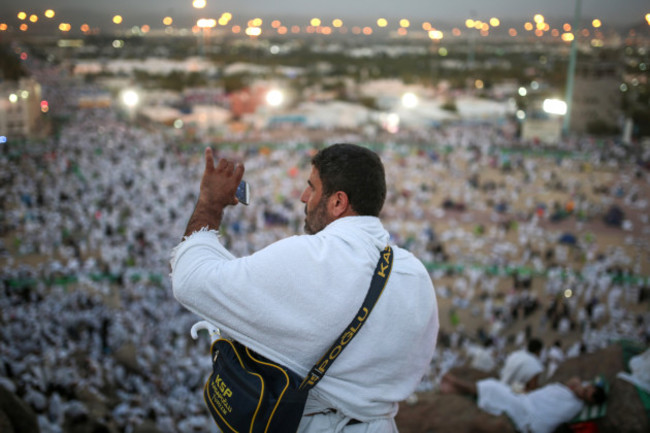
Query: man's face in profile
{"type": "Point", "coordinates": [316, 217]}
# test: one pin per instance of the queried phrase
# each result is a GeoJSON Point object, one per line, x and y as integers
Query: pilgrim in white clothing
{"type": "Point", "coordinates": [540, 411]}
{"type": "Point", "coordinates": [291, 300]}
{"type": "Point", "coordinates": [520, 367]}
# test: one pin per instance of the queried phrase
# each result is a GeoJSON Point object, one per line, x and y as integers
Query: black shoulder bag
{"type": "Point", "coordinates": [247, 392]}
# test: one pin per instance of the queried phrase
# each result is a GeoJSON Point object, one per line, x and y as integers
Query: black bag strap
{"type": "Point", "coordinates": [377, 285]}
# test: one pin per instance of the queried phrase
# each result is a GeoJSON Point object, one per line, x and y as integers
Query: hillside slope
{"type": "Point", "coordinates": [444, 413]}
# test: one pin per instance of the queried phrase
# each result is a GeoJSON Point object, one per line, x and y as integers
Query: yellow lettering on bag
{"type": "Point", "coordinates": [334, 353]}
{"type": "Point", "coordinates": [382, 271]}
{"type": "Point", "coordinates": [321, 367]}
{"type": "Point", "coordinates": [222, 387]}
{"type": "Point", "coordinates": [345, 339]}
{"type": "Point", "coordinates": [220, 398]}
{"type": "Point", "coordinates": [347, 336]}
{"type": "Point", "coordinates": [361, 318]}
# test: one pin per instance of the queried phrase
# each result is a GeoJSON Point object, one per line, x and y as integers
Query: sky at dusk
{"type": "Point", "coordinates": [614, 12]}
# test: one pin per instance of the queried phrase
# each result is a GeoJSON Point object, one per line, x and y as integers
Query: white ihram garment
{"type": "Point", "coordinates": [520, 366]}
{"type": "Point", "coordinates": [292, 299]}
{"type": "Point", "coordinates": [539, 411]}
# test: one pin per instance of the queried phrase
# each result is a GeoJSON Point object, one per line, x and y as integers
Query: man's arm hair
{"type": "Point", "coordinates": [206, 216]}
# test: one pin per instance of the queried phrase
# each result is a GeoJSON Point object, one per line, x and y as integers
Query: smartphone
{"type": "Point", "coordinates": [243, 193]}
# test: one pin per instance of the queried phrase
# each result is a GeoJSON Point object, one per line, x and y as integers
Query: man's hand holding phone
{"type": "Point", "coordinates": [219, 188]}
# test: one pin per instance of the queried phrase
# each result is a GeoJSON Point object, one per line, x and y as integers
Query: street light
{"type": "Point", "coordinates": [410, 100]}
{"type": "Point", "coordinates": [130, 99]}
{"type": "Point", "coordinates": [206, 23]}
{"type": "Point", "coordinates": [274, 98]}
{"type": "Point", "coordinates": [554, 106]}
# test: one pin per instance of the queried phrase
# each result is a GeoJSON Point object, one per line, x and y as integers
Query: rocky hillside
{"type": "Point", "coordinates": [434, 412]}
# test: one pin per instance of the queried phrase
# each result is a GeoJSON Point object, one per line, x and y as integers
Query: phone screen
{"type": "Point", "coordinates": [243, 193]}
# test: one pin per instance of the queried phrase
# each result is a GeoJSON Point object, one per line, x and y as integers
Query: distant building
{"type": "Point", "coordinates": [540, 126]}
{"type": "Point", "coordinates": [20, 108]}
{"type": "Point", "coordinates": [95, 100]}
{"type": "Point", "coordinates": [597, 97]}
{"type": "Point", "coordinates": [205, 96]}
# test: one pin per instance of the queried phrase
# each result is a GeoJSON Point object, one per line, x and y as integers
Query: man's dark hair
{"type": "Point", "coordinates": [356, 171]}
{"type": "Point", "coordinates": [535, 345]}
{"type": "Point", "coordinates": [599, 396]}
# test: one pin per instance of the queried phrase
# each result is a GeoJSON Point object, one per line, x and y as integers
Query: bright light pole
{"type": "Point", "coordinates": [200, 4]}
{"type": "Point", "coordinates": [205, 24]}
{"type": "Point", "coordinates": [568, 97]}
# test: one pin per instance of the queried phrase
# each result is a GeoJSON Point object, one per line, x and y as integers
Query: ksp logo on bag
{"type": "Point", "coordinates": [222, 387]}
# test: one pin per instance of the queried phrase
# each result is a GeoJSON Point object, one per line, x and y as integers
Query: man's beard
{"type": "Point", "coordinates": [316, 219]}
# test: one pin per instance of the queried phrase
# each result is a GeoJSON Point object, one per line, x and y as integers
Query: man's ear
{"type": "Point", "coordinates": [339, 205]}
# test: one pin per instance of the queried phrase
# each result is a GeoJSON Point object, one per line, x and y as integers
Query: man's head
{"type": "Point", "coordinates": [345, 180]}
{"type": "Point", "coordinates": [535, 346]}
{"type": "Point", "coordinates": [593, 394]}
{"type": "Point", "coordinates": [589, 392]}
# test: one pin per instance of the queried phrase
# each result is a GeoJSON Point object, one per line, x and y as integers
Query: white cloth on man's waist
{"type": "Point", "coordinates": [320, 418]}
{"type": "Point", "coordinates": [292, 299]}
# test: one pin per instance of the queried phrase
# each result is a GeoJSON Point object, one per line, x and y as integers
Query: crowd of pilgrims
{"type": "Point", "coordinates": [88, 325]}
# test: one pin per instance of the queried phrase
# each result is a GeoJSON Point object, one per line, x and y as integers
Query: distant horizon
{"type": "Point", "coordinates": [104, 23]}
{"type": "Point", "coordinates": [615, 14]}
